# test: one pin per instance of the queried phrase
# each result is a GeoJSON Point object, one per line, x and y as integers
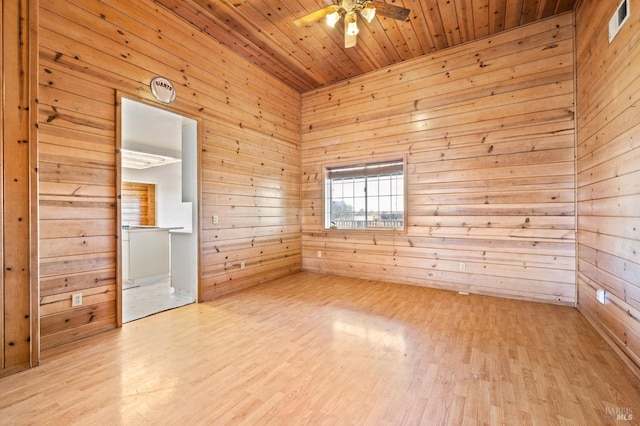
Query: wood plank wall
{"type": "Point", "coordinates": [138, 205]}
{"type": "Point", "coordinates": [488, 132]}
{"type": "Point", "coordinates": [18, 280]}
{"type": "Point", "coordinates": [608, 173]}
{"type": "Point", "coordinates": [250, 155]}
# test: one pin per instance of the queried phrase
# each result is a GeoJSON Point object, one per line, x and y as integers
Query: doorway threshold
{"type": "Point", "coordinates": [144, 300]}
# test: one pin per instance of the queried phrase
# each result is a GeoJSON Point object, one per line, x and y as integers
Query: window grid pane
{"type": "Point", "coordinates": [366, 201]}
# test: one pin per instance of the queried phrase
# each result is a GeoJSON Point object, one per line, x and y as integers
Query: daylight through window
{"type": "Point", "coordinates": [365, 196]}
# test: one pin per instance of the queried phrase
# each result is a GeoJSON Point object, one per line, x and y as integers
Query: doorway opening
{"type": "Point", "coordinates": [158, 209]}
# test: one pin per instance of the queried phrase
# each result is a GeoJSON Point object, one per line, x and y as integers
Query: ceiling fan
{"type": "Point", "coordinates": [350, 9]}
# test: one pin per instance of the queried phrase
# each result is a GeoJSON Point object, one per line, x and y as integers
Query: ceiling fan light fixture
{"type": "Point", "coordinates": [332, 19]}
{"type": "Point", "coordinates": [352, 26]}
{"type": "Point", "coordinates": [350, 9]}
{"type": "Point", "coordinates": [368, 13]}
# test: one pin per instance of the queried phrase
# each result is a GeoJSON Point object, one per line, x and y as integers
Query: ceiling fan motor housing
{"type": "Point", "coordinates": [349, 5]}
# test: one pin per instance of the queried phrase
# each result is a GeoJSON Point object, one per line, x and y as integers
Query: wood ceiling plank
{"type": "Point", "coordinates": [412, 40]}
{"type": "Point", "coordinates": [565, 6]}
{"type": "Point", "coordinates": [217, 29]}
{"type": "Point", "coordinates": [400, 33]}
{"type": "Point", "coordinates": [480, 18]}
{"type": "Point", "coordinates": [368, 48]}
{"type": "Point", "coordinates": [328, 44]}
{"type": "Point", "coordinates": [312, 56]}
{"type": "Point", "coordinates": [512, 14]}
{"type": "Point", "coordinates": [464, 11]}
{"type": "Point", "coordinates": [435, 24]}
{"type": "Point", "coordinates": [419, 25]}
{"type": "Point", "coordinates": [497, 14]}
{"type": "Point", "coordinates": [390, 38]}
{"type": "Point", "coordinates": [546, 8]}
{"type": "Point", "coordinates": [529, 11]}
{"type": "Point", "coordinates": [450, 22]}
{"type": "Point", "coordinates": [259, 31]}
{"type": "Point", "coordinates": [325, 46]}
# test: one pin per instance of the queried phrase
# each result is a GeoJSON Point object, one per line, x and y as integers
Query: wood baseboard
{"type": "Point", "coordinates": [628, 361]}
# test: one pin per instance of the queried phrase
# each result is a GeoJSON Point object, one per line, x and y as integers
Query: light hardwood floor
{"type": "Point", "coordinates": [314, 349]}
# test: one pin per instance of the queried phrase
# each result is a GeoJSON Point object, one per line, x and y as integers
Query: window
{"type": "Point", "coordinates": [365, 196]}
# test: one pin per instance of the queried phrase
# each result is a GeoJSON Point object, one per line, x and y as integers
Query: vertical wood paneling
{"type": "Point", "coordinates": [16, 285]}
{"type": "Point", "coordinates": [250, 154]}
{"type": "Point", "coordinates": [2, 298]}
{"type": "Point", "coordinates": [16, 306]}
{"type": "Point", "coordinates": [488, 131]}
{"type": "Point", "coordinates": [608, 90]}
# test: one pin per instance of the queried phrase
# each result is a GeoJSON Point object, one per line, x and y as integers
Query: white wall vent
{"type": "Point", "coordinates": [618, 19]}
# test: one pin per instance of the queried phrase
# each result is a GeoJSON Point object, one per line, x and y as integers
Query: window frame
{"type": "Point", "coordinates": [326, 169]}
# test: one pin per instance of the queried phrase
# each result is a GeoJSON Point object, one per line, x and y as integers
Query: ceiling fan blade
{"type": "Point", "coordinates": [316, 16]}
{"type": "Point", "coordinates": [390, 10]}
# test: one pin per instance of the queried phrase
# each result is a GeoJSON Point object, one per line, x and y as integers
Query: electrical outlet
{"type": "Point", "coordinates": [463, 266]}
{"type": "Point", "coordinates": [242, 265]}
{"type": "Point", "coordinates": [76, 299]}
{"type": "Point", "coordinates": [214, 219]}
{"type": "Point", "coordinates": [319, 253]}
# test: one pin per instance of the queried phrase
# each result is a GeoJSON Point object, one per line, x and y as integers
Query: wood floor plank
{"type": "Point", "coordinates": [321, 349]}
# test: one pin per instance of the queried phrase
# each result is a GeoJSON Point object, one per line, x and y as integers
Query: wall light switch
{"type": "Point", "coordinates": [215, 219]}
{"type": "Point", "coordinates": [601, 295]}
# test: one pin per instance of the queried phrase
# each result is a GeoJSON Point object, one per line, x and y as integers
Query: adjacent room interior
{"type": "Point", "coordinates": [158, 210]}
{"type": "Point", "coordinates": [402, 212]}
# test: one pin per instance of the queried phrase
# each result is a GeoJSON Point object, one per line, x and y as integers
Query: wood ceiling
{"type": "Point", "coordinates": [312, 56]}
